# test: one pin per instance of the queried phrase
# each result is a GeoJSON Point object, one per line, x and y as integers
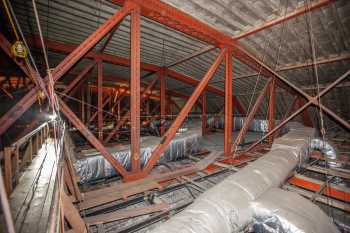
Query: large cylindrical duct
{"type": "Point", "coordinates": [327, 149]}
{"type": "Point", "coordinates": [227, 207]}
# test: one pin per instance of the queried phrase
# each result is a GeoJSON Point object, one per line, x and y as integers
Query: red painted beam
{"type": "Point", "coordinates": [91, 138]}
{"type": "Point", "coordinates": [126, 116]}
{"type": "Point", "coordinates": [99, 100]}
{"type": "Point", "coordinates": [28, 100]}
{"type": "Point", "coordinates": [135, 91]}
{"type": "Point", "coordinates": [78, 78]}
{"type": "Point", "coordinates": [297, 12]}
{"type": "Point", "coordinates": [92, 118]}
{"type": "Point", "coordinates": [312, 100]}
{"type": "Point", "coordinates": [170, 133]}
{"type": "Point", "coordinates": [64, 48]}
{"type": "Point", "coordinates": [228, 104]}
{"type": "Point", "coordinates": [250, 117]}
{"type": "Point", "coordinates": [180, 21]}
{"type": "Point", "coordinates": [272, 106]}
{"type": "Point", "coordinates": [313, 186]}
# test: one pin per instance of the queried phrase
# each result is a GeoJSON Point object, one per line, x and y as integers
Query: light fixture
{"type": "Point", "coordinates": [53, 116]}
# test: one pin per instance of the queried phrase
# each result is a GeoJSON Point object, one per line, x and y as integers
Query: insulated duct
{"type": "Point", "coordinates": [280, 211]}
{"type": "Point", "coordinates": [231, 205]}
{"type": "Point", "coordinates": [327, 149]}
{"type": "Point", "coordinates": [257, 125]}
{"type": "Point", "coordinates": [91, 165]}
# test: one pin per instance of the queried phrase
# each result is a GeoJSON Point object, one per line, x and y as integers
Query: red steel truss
{"type": "Point", "coordinates": [173, 18]}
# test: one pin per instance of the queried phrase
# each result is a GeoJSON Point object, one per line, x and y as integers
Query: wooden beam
{"type": "Point", "coordinates": [72, 215]}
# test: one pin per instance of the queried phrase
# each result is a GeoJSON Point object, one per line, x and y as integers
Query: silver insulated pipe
{"type": "Point", "coordinates": [327, 149]}
{"type": "Point", "coordinates": [251, 196]}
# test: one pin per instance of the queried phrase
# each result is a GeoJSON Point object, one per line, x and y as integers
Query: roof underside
{"type": "Point", "coordinates": [279, 46]}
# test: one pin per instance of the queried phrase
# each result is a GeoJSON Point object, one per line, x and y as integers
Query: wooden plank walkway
{"type": "Point", "coordinates": [31, 200]}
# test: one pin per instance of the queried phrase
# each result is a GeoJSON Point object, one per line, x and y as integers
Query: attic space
{"type": "Point", "coordinates": [171, 116]}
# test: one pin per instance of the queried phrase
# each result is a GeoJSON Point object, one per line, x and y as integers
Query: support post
{"type": "Point", "coordinates": [228, 104]}
{"type": "Point", "coordinates": [169, 135]}
{"type": "Point", "coordinates": [99, 100]}
{"type": "Point", "coordinates": [204, 113]}
{"type": "Point", "coordinates": [272, 100]}
{"type": "Point", "coordinates": [135, 90]}
{"type": "Point", "coordinates": [162, 101]}
{"type": "Point", "coordinates": [8, 169]}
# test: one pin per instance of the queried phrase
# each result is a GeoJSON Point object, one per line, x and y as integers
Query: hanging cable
{"type": "Point", "coordinates": [57, 125]}
{"type": "Point", "coordinates": [315, 72]}
{"type": "Point", "coordinates": [281, 41]}
{"type": "Point", "coordinates": [20, 37]}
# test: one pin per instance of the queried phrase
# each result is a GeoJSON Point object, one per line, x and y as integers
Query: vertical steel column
{"type": "Point", "coordinates": [272, 106]}
{"type": "Point", "coordinates": [204, 113]}
{"type": "Point", "coordinates": [99, 100]}
{"type": "Point", "coordinates": [135, 90]}
{"type": "Point", "coordinates": [162, 101]}
{"type": "Point", "coordinates": [228, 104]}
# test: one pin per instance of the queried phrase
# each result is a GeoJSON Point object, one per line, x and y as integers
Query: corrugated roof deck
{"type": "Point", "coordinates": [72, 21]}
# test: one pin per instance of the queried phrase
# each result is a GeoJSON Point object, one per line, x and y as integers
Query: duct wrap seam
{"type": "Point", "coordinates": [226, 207]}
